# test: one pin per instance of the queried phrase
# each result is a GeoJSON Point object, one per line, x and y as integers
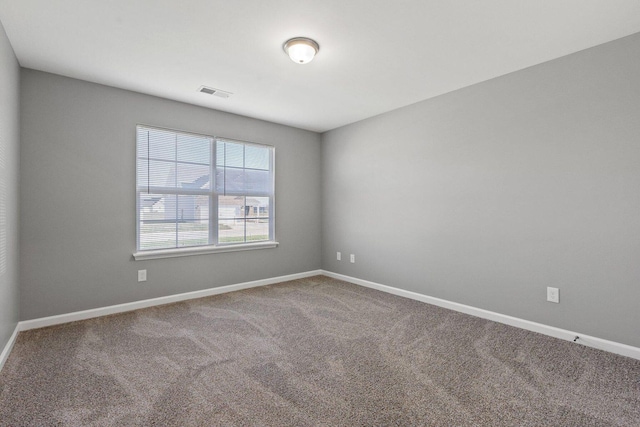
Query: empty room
{"type": "Point", "coordinates": [319, 213]}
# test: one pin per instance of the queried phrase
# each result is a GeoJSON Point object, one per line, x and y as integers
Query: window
{"type": "Point", "coordinates": [202, 191]}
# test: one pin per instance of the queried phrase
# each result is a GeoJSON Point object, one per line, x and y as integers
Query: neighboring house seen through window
{"type": "Point", "coordinates": [197, 190]}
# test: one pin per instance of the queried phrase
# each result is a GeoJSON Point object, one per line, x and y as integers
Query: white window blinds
{"type": "Point", "coordinates": [179, 206]}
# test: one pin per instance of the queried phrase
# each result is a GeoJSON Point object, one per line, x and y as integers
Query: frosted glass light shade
{"type": "Point", "coordinates": [301, 50]}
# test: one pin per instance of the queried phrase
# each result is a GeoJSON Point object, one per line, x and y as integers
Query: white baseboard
{"type": "Point", "coordinates": [7, 348]}
{"type": "Point", "coordinates": [42, 322]}
{"type": "Point", "coordinates": [589, 341]}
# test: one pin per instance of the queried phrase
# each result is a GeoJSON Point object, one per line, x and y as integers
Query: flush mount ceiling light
{"type": "Point", "coordinates": [301, 49]}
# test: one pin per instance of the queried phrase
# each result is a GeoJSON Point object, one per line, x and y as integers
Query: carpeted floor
{"type": "Point", "coordinates": [310, 352]}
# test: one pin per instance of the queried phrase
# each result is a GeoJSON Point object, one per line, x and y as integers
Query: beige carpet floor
{"type": "Point", "coordinates": [311, 352]}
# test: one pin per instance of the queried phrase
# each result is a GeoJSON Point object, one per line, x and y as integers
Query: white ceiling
{"type": "Point", "coordinates": [375, 55]}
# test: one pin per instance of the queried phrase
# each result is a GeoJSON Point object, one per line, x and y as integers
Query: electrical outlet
{"type": "Point", "coordinates": [142, 275]}
{"type": "Point", "coordinates": [338, 256]}
{"type": "Point", "coordinates": [352, 259]}
{"type": "Point", "coordinates": [553, 294]}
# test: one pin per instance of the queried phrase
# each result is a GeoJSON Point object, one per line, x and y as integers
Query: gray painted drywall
{"type": "Point", "coordinates": [78, 198]}
{"type": "Point", "coordinates": [487, 195]}
{"type": "Point", "coordinates": [9, 152]}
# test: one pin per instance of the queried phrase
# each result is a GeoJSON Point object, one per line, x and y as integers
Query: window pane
{"type": "Point", "coordinates": [229, 180]}
{"type": "Point", "coordinates": [256, 157]}
{"type": "Point", "coordinates": [162, 144]}
{"type": "Point", "coordinates": [202, 207]}
{"type": "Point", "coordinates": [142, 142]}
{"type": "Point", "coordinates": [233, 154]}
{"type": "Point", "coordinates": [157, 221]}
{"type": "Point", "coordinates": [193, 233]}
{"type": "Point", "coordinates": [220, 158]}
{"type": "Point", "coordinates": [193, 220]}
{"type": "Point", "coordinates": [257, 229]}
{"type": "Point", "coordinates": [257, 181]}
{"type": "Point", "coordinates": [230, 207]}
{"type": "Point", "coordinates": [142, 172]}
{"type": "Point", "coordinates": [195, 149]}
{"type": "Point", "coordinates": [243, 181]}
{"type": "Point", "coordinates": [193, 176]}
{"type": "Point", "coordinates": [231, 231]}
{"type": "Point", "coordinates": [257, 207]}
{"type": "Point", "coordinates": [192, 207]}
{"type": "Point", "coordinates": [162, 174]}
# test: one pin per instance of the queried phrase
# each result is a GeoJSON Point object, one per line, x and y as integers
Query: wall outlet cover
{"type": "Point", "coordinates": [142, 275]}
{"type": "Point", "coordinates": [553, 294]}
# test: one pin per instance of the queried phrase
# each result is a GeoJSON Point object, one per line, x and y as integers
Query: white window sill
{"type": "Point", "coordinates": [201, 250]}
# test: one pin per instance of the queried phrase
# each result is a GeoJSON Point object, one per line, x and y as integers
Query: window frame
{"type": "Point", "coordinates": [214, 246]}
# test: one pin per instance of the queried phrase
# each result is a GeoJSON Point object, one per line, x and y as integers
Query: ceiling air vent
{"type": "Point", "coordinates": [215, 92]}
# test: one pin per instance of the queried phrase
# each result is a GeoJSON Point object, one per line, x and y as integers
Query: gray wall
{"type": "Point", "coordinates": [483, 196]}
{"type": "Point", "coordinates": [78, 198]}
{"type": "Point", "coordinates": [9, 146]}
{"type": "Point", "coordinates": [487, 195]}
